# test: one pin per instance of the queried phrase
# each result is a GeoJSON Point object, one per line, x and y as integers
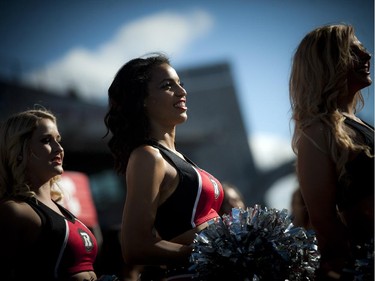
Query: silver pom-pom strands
{"type": "Point", "coordinates": [254, 244]}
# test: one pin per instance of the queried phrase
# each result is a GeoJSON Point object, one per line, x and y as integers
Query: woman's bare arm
{"type": "Point", "coordinates": [145, 174]}
{"type": "Point", "coordinates": [318, 182]}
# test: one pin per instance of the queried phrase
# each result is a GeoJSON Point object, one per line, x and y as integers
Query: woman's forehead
{"type": "Point", "coordinates": [45, 126]}
{"type": "Point", "coordinates": [163, 72]}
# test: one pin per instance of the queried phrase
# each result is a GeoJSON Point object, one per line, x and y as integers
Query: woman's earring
{"type": "Point", "coordinates": [19, 158]}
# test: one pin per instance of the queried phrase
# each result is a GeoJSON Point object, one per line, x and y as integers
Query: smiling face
{"type": "Point", "coordinates": [46, 154]}
{"type": "Point", "coordinates": [166, 101]}
{"type": "Point", "coordinates": [359, 75]}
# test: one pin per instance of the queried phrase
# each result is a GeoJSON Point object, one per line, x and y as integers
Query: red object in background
{"type": "Point", "coordinates": [78, 198]}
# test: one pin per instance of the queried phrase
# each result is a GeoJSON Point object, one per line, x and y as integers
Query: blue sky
{"type": "Point", "coordinates": [80, 44]}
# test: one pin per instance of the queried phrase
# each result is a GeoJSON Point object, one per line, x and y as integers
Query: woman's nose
{"type": "Point", "coordinates": [59, 147]}
{"type": "Point", "coordinates": [181, 90]}
{"type": "Point", "coordinates": [365, 55]}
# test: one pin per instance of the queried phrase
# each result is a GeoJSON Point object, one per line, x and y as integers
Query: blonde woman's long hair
{"type": "Point", "coordinates": [318, 82]}
{"type": "Point", "coordinates": [15, 134]}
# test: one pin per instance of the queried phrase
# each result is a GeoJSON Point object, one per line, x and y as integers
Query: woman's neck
{"type": "Point", "coordinates": [43, 193]}
{"type": "Point", "coordinates": [165, 139]}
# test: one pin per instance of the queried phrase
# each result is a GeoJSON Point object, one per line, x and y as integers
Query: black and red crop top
{"type": "Point", "coordinates": [197, 198]}
{"type": "Point", "coordinates": [65, 247]}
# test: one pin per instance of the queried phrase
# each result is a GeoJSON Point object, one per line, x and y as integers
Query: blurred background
{"type": "Point", "coordinates": [233, 56]}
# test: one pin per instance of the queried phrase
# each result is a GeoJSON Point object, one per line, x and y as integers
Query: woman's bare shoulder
{"type": "Point", "coordinates": [20, 226]}
{"type": "Point", "coordinates": [315, 135]}
{"type": "Point", "coordinates": [316, 129]}
{"type": "Point", "coordinates": [18, 212]}
{"type": "Point", "coordinates": [146, 153]}
{"type": "Point", "coordinates": [13, 207]}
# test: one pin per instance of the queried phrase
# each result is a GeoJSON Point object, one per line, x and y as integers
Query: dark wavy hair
{"type": "Point", "coordinates": [126, 119]}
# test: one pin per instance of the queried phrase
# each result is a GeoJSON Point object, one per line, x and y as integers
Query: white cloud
{"type": "Point", "coordinates": [269, 151]}
{"type": "Point", "coordinates": [279, 195]}
{"type": "Point", "coordinates": [91, 72]}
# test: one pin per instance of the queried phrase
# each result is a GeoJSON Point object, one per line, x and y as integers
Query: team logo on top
{"type": "Point", "coordinates": [216, 188]}
{"type": "Point", "coordinates": [86, 240]}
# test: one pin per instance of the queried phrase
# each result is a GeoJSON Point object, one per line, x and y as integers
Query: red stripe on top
{"type": "Point", "coordinates": [210, 199]}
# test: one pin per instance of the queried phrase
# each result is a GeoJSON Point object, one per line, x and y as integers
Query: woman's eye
{"type": "Point", "coordinates": [46, 140]}
{"type": "Point", "coordinates": [49, 140]}
{"type": "Point", "coordinates": [167, 85]}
